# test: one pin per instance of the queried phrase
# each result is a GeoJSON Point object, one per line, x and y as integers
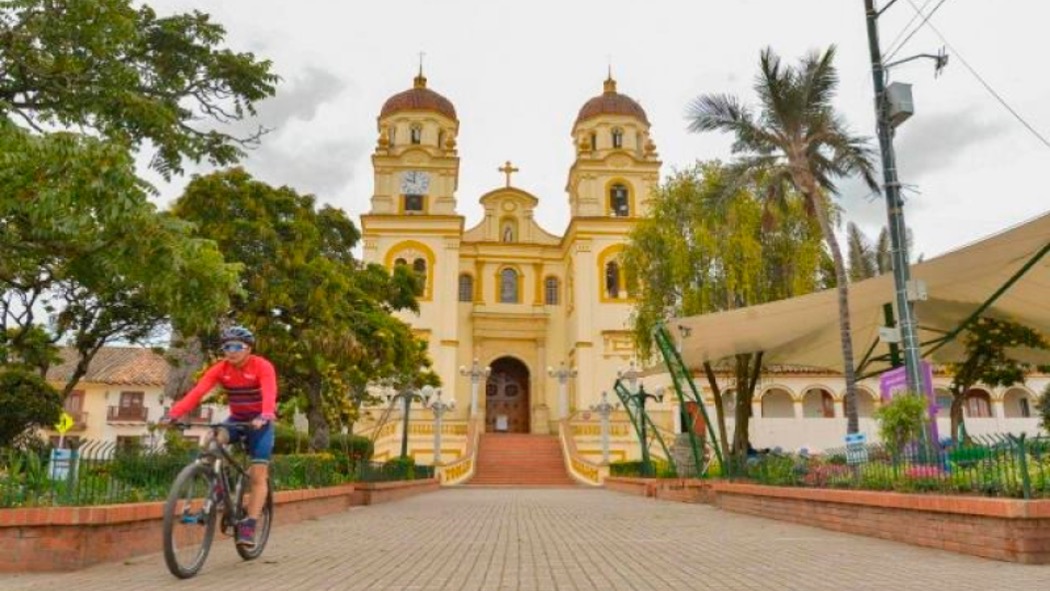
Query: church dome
{"type": "Point", "coordinates": [418, 98]}
{"type": "Point", "coordinates": [611, 102]}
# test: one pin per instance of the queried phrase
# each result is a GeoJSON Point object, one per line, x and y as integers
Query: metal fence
{"type": "Point", "coordinates": [99, 473]}
{"type": "Point", "coordinates": [992, 465]}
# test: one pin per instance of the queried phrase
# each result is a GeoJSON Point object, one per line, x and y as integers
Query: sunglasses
{"type": "Point", "coordinates": [233, 347]}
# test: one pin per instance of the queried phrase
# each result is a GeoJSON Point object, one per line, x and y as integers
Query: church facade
{"type": "Point", "coordinates": [506, 294]}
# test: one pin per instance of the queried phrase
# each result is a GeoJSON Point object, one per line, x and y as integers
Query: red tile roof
{"type": "Point", "coordinates": [122, 366]}
{"type": "Point", "coordinates": [418, 98]}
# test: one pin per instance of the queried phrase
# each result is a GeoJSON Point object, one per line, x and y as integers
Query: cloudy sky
{"type": "Point", "coordinates": [518, 73]}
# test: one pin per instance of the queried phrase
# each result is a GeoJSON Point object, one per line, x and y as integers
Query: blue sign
{"type": "Point", "coordinates": [61, 463]}
{"type": "Point", "coordinates": [856, 448]}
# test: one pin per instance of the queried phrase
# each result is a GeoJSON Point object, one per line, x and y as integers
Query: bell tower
{"type": "Point", "coordinates": [415, 162]}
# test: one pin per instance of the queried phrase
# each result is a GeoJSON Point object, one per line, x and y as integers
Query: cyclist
{"type": "Point", "coordinates": [250, 382]}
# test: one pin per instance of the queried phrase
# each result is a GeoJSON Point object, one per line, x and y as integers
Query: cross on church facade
{"type": "Point", "coordinates": [508, 170]}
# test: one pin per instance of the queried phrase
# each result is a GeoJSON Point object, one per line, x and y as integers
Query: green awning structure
{"type": "Point", "coordinates": [1005, 276]}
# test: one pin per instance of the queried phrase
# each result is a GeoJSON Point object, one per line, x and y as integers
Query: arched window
{"type": "Point", "coordinates": [594, 141]}
{"type": "Point", "coordinates": [550, 291]}
{"type": "Point", "coordinates": [508, 286]}
{"type": "Point", "coordinates": [441, 139]}
{"type": "Point", "coordinates": [978, 404]}
{"type": "Point", "coordinates": [392, 134]}
{"type": "Point", "coordinates": [416, 133]}
{"type": "Point", "coordinates": [420, 267]}
{"type": "Point", "coordinates": [612, 279]}
{"type": "Point", "coordinates": [638, 143]}
{"type": "Point", "coordinates": [400, 261]}
{"type": "Point", "coordinates": [619, 203]}
{"type": "Point", "coordinates": [617, 138]}
{"type": "Point", "coordinates": [466, 288]}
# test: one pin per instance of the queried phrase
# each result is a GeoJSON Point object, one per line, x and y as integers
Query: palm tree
{"type": "Point", "coordinates": [797, 139]}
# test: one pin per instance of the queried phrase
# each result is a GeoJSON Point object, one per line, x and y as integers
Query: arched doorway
{"type": "Point", "coordinates": [507, 397]}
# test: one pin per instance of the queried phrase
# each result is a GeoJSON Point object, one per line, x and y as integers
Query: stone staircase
{"type": "Point", "coordinates": [517, 459]}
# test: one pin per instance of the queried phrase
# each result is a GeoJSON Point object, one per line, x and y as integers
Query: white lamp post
{"type": "Point", "coordinates": [476, 372]}
{"type": "Point", "coordinates": [604, 410]}
{"type": "Point", "coordinates": [562, 374]}
{"type": "Point", "coordinates": [439, 408]}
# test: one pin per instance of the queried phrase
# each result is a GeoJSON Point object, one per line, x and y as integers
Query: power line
{"type": "Point", "coordinates": [988, 87]}
{"type": "Point", "coordinates": [889, 47]}
{"type": "Point", "coordinates": [916, 29]}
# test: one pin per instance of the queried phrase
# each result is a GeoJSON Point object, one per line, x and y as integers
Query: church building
{"type": "Point", "coordinates": [507, 294]}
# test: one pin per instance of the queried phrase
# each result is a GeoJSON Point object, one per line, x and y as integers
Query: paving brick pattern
{"type": "Point", "coordinates": [556, 539]}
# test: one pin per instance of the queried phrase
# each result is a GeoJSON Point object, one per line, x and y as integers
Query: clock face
{"type": "Point", "coordinates": [415, 182]}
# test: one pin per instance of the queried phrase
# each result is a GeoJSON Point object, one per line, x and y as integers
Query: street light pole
{"type": "Point", "coordinates": [638, 397]}
{"type": "Point", "coordinates": [562, 374]}
{"type": "Point", "coordinates": [407, 396]}
{"type": "Point", "coordinates": [439, 408]}
{"type": "Point", "coordinates": [476, 372]}
{"type": "Point", "coordinates": [894, 207]}
{"type": "Point", "coordinates": [604, 410]}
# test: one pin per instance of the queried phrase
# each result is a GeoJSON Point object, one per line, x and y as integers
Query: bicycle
{"type": "Point", "coordinates": [199, 495]}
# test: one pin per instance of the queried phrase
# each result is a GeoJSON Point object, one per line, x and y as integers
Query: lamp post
{"type": "Point", "coordinates": [562, 374]}
{"type": "Point", "coordinates": [638, 397]}
{"type": "Point", "coordinates": [407, 396]}
{"type": "Point", "coordinates": [439, 408]}
{"type": "Point", "coordinates": [604, 410]}
{"type": "Point", "coordinates": [476, 372]}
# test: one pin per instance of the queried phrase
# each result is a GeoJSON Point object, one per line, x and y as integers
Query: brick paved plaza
{"type": "Point", "coordinates": [547, 539]}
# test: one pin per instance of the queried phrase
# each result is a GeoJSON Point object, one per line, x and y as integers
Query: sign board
{"type": "Point", "coordinates": [65, 423]}
{"type": "Point", "coordinates": [856, 448]}
{"type": "Point", "coordinates": [61, 463]}
{"type": "Point", "coordinates": [501, 422]}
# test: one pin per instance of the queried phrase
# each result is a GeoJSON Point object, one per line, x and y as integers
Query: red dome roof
{"type": "Point", "coordinates": [611, 102]}
{"type": "Point", "coordinates": [418, 98]}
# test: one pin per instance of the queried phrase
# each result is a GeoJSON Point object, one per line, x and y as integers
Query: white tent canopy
{"type": "Point", "coordinates": [805, 330]}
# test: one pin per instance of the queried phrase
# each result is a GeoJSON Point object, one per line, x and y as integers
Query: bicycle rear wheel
{"type": "Point", "coordinates": [189, 521]}
{"type": "Point", "coordinates": [262, 525]}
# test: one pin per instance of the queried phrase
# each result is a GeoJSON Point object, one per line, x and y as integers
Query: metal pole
{"type": "Point", "coordinates": [894, 207]}
{"type": "Point", "coordinates": [437, 436]}
{"type": "Point", "coordinates": [404, 424]}
{"type": "Point", "coordinates": [646, 469]}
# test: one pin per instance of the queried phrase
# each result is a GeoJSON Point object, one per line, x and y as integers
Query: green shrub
{"type": "Point", "coordinates": [350, 449]}
{"type": "Point", "coordinates": [901, 420]}
{"type": "Point", "coordinates": [289, 440]}
{"type": "Point", "coordinates": [1044, 409]}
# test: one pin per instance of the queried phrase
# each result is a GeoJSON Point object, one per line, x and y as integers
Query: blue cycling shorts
{"type": "Point", "coordinates": [258, 441]}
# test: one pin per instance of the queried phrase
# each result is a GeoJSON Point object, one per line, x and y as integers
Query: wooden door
{"type": "Point", "coordinates": [507, 397]}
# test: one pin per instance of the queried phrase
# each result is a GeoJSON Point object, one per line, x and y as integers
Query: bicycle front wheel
{"type": "Point", "coordinates": [189, 521]}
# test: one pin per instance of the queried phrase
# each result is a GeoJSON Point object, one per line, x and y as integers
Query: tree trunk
{"type": "Point", "coordinates": [816, 197]}
{"type": "Point", "coordinates": [746, 379]}
{"type": "Point", "coordinates": [720, 410]}
{"type": "Point", "coordinates": [318, 423]}
{"type": "Point", "coordinates": [956, 412]}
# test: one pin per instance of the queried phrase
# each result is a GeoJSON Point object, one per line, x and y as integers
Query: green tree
{"type": "Point", "coordinates": [323, 318]}
{"type": "Point", "coordinates": [83, 245]}
{"type": "Point", "coordinates": [129, 75]}
{"type": "Point", "coordinates": [699, 252]}
{"type": "Point", "coordinates": [989, 358]}
{"type": "Point", "coordinates": [797, 139]}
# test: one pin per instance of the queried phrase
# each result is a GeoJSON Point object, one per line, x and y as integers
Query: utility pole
{"type": "Point", "coordinates": [894, 207]}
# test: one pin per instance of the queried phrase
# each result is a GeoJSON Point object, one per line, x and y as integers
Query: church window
{"type": "Point", "coordinates": [400, 261]}
{"type": "Point", "coordinates": [612, 279]}
{"type": "Point", "coordinates": [550, 291]}
{"type": "Point", "coordinates": [441, 139]}
{"type": "Point", "coordinates": [617, 138]}
{"type": "Point", "coordinates": [619, 203]}
{"type": "Point", "coordinates": [594, 141]}
{"type": "Point", "coordinates": [416, 133]}
{"type": "Point", "coordinates": [508, 286]}
{"type": "Point", "coordinates": [414, 203]}
{"type": "Point", "coordinates": [466, 288]}
{"type": "Point", "coordinates": [638, 143]}
{"type": "Point", "coordinates": [420, 267]}
{"type": "Point", "coordinates": [391, 134]}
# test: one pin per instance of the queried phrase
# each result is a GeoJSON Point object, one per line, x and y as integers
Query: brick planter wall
{"type": "Point", "coordinates": [682, 490]}
{"type": "Point", "coordinates": [68, 538]}
{"type": "Point", "coordinates": [1003, 529]}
